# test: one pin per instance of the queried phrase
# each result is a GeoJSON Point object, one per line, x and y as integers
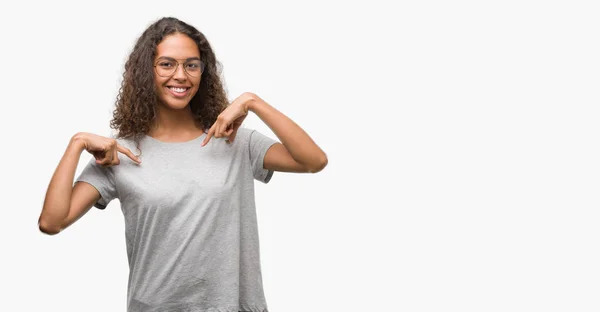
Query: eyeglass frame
{"type": "Point", "coordinates": [202, 65]}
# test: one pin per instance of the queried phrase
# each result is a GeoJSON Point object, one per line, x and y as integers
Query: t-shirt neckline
{"type": "Point", "coordinates": [159, 142]}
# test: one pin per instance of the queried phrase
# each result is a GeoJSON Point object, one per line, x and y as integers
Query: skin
{"type": "Point", "coordinates": [174, 121]}
{"type": "Point", "coordinates": [297, 152]}
{"type": "Point", "coordinates": [64, 203]}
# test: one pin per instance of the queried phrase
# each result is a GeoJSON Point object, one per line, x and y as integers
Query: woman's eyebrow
{"type": "Point", "coordinates": [171, 58]}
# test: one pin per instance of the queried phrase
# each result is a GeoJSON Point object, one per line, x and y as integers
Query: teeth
{"type": "Point", "coordinates": [179, 90]}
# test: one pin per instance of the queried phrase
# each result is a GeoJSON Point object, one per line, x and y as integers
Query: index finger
{"type": "Point", "coordinates": [209, 135]}
{"type": "Point", "coordinates": [127, 152]}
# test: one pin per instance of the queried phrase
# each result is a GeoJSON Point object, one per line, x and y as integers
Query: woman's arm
{"type": "Point", "coordinates": [297, 152]}
{"type": "Point", "coordinates": [65, 203]}
{"type": "Point", "coordinates": [57, 209]}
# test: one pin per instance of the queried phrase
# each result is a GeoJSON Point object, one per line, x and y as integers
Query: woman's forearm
{"type": "Point", "coordinates": [299, 144]}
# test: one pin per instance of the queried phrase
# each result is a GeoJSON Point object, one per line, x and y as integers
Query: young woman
{"type": "Point", "coordinates": [188, 196]}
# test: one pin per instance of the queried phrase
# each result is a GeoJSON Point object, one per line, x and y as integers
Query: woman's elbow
{"type": "Point", "coordinates": [47, 228]}
{"type": "Point", "coordinates": [318, 165]}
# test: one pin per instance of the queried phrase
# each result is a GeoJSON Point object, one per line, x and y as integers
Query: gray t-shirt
{"type": "Point", "coordinates": [190, 222]}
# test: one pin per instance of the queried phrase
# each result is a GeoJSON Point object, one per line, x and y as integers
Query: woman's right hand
{"type": "Point", "coordinates": [105, 149]}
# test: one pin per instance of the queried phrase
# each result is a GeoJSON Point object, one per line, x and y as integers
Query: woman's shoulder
{"type": "Point", "coordinates": [247, 135]}
{"type": "Point", "coordinates": [127, 142]}
{"type": "Point", "coordinates": [243, 131]}
{"type": "Point", "coordinates": [246, 132]}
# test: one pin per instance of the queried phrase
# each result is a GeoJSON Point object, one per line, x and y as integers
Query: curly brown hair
{"type": "Point", "coordinates": [137, 99]}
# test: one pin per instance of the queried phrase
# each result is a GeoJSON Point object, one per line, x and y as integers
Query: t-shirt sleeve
{"type": "Point", "coordinates": [258, 144]}
{"type": "Point", "coordinates": [102, 179]}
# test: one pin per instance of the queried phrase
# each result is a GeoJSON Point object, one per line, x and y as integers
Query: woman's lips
{"type": "Point", "coordinates": [176, 91]}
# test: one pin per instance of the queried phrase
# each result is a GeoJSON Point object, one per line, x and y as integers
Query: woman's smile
{"type": "Point", "coordinates": [178, 92]}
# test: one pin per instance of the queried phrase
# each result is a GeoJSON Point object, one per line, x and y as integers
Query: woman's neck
{"type": "Point", "coordinates": [175, 124]}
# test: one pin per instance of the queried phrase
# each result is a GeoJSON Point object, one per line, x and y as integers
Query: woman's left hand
{"type": "Point", "coordinates": [230, 120]}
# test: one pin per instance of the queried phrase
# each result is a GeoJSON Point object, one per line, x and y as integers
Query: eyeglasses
{"type": "Point", "coordinates": [166, 67]}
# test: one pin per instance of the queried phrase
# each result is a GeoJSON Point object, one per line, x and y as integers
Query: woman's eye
{"type": "Point", "coordinates": [193, 65]}
{"type": "Point", "coordinates": [165, 64]}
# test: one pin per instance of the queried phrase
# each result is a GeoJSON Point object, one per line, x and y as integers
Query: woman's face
{"type": "Point", "coordinates": [179, 52]}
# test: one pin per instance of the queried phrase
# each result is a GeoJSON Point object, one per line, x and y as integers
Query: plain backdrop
{"type": "Point", "coordinates": [462, 139]}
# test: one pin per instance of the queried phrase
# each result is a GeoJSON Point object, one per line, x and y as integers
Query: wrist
{"type": "Point", "coordinates": [252, 104]}
{"type": "Point", "coordinates": [249, 105]}
{"type": "Point", "coordinates": [78, 142]}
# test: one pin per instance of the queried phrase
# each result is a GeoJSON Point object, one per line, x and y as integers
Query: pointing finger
{"type": "Point", "coordinates": [129, 154]}
{"type": "Point", "coordinates": [209, 135]}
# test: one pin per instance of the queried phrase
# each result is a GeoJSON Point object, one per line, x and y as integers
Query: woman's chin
{"type": "Point", "coordinates": [176, 104]}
